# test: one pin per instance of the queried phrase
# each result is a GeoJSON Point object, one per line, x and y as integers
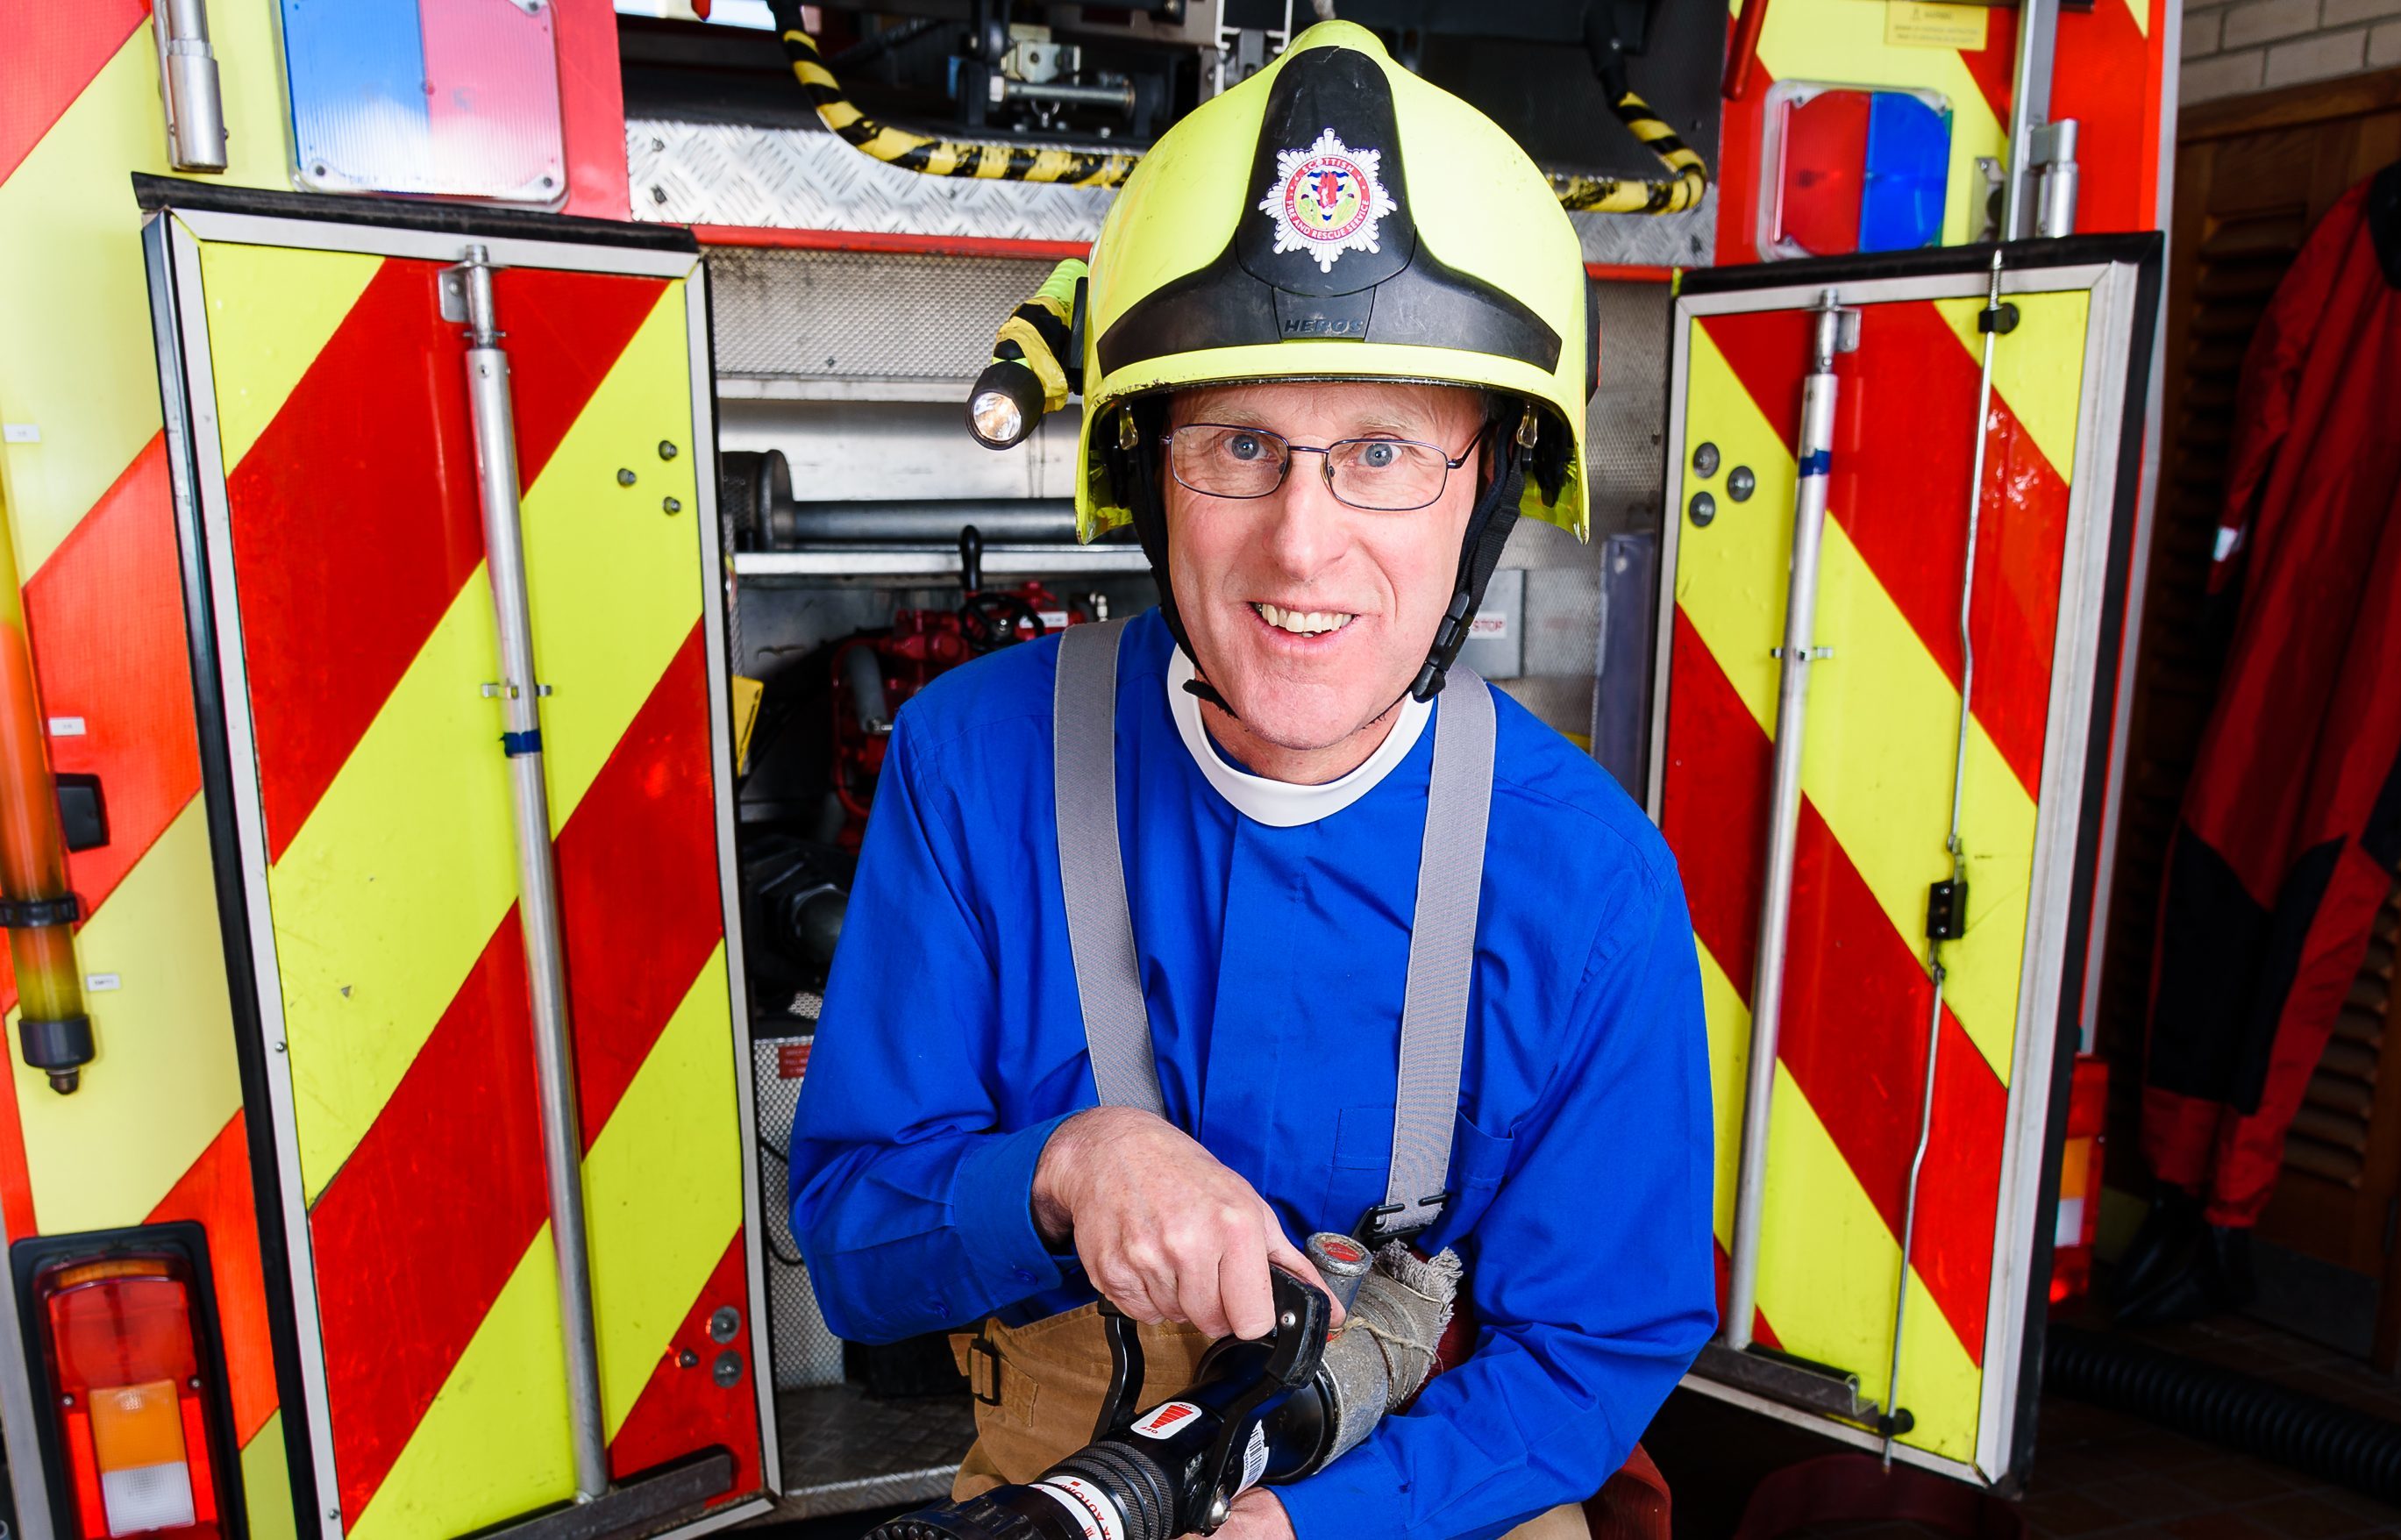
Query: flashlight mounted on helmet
{"type": "Point", "coordinates": [1036, 362]}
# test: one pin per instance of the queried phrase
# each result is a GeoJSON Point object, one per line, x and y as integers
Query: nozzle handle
{"type": "Point", "coordinates": [1303, 1317]}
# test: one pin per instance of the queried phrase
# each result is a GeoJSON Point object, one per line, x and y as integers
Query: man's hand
{"type": "Point", "coordinates": [1257, 1514]}
{"type": "Point", "coordinates": [1165, 1232]}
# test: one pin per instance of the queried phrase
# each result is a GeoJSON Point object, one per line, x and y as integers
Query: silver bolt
{"type": "Point", "coordinates": [667, 449]}
{"type": "Point", "coordinates": [625, 479]}
{"type": "Point", "coordinates": [673, 505]}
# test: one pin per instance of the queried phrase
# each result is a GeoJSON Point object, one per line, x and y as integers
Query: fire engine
{"type": "Point", "coordinates": [480, 476]}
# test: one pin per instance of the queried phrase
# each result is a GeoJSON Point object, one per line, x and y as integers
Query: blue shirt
{"type": "Point", "coordinates": [1274, 961]}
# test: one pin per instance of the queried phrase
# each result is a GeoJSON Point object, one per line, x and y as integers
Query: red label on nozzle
{"type": "Point", "coordinates": [1162, 1421]}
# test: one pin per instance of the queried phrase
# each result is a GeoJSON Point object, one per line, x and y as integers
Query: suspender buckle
{"type": "Point", "coordinates": [1373, 1231]}
{"type": "Point", "coordinates": [981, 1353]}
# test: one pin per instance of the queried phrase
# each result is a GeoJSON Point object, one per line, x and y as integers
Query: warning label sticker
{"type": "Point", "coordinates": [1927, 24]}
{"type": "Point", "coordinates": [1097, 1517]}
{"type": "Point", "coordinates": [1165, 1421]}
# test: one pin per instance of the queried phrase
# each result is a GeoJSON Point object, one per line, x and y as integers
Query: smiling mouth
{"type": "Point", "coordinates": [1302, 623]}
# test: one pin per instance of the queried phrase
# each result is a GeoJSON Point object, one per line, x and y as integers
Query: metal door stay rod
{"type": "Point", "coordinates": [1836, 331]}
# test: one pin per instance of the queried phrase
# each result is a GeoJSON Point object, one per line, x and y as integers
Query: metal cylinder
{"type": "Point", "coordinates": [1341, 1261]}
{"type": "Point", "coordinates": [1119, 97]}
{"type": "Point", "coordinates": [1005, 520]}
{"type": "Point", "coordinates": [520, 698]}
{"type": "Point", "coordinates": [1817, 443]}
{"type": "Point", "coordinates": [863, 671]}
{"type": "Point", "coordinates": [2055, 206]}
{"type": "Point", "coordinates": [188, 86]}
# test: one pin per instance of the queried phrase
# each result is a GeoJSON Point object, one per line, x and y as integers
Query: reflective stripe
{"type": "Point", "coordinates": [1442, 940]}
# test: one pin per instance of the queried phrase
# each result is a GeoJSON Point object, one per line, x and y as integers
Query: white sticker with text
{"type": "Point", "coordinates": [1255, 1458]}
{"type": "Point", "coordinates": [1096, 1514]}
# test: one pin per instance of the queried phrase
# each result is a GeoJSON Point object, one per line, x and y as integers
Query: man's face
{"type": "Point", "coordinates": [1311, 616]}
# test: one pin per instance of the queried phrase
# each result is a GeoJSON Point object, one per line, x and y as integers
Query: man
{"type": "Point", "coordinates": [1336, 339]}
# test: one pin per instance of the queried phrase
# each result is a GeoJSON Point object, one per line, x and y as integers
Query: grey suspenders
{"type": "Point", "coordinates": [1100, 926]}
{"type": "Point", "coordinates": [1442, 937]}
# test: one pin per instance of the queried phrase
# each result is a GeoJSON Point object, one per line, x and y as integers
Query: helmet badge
{"type": "Point", "coordinates": [1326, 199]}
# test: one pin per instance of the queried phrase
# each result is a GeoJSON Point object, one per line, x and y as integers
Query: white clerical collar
{"type": "Point", "coordinates": [1279, 803]}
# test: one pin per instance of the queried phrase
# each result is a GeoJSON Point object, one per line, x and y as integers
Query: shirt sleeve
{"type": "Point", "coordinates": [1590, 1275]}
{"type": "Point", "coordinates": [912, 1212]}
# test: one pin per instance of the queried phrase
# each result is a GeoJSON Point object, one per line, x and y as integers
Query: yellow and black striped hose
{"type": "Point", "coordinates": [917, 152]}
{"type": "Point", "coordinates": [1614, 195]}
{"type": "Point", "coordinates": [994, 159]}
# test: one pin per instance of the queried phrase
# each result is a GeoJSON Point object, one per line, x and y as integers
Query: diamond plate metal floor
{"type": "Point", "coordinates": [845, 1453]}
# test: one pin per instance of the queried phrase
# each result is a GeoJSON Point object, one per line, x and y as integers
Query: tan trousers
{"type": "Point", "coordinates": [1050, 1377]}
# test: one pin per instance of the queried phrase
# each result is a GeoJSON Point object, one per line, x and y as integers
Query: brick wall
{"type": "Point", "coordinates": [2231, 47]}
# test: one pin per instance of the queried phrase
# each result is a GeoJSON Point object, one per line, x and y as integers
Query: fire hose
{"type": "Point", "coordinates": [1272, 1410]}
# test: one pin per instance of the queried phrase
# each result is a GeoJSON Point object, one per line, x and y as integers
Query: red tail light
{"type": "Point", "coordinates": [2079, 1180]}
{"type": "Point", "coordinates": [128, 1404]}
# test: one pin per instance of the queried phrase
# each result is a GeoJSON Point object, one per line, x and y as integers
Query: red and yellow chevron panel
{"type": "Point", "coordinates": [157, 1130]}
{"type": "Point", "coordinates": [345, 431]}
{"type": "Point", "coordinates": [1877, 782]}
{"type": "Point", "coordinates": [2109, 73]}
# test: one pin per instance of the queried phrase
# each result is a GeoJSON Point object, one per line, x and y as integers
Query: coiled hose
{"type": "Point", "coordinates": [994, 159]}
{"type": "Point", "coordinates": [988, 159]}
{"type": "Point", "coordinates": [1626, 194]}
{"type": "Point", "coordinates": [2324, 1439]}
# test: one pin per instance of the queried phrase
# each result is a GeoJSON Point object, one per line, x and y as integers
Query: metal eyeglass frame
{"type": "Point", "coordinates": [1450, 463]}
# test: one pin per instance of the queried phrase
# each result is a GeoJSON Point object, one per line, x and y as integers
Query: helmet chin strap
{"type": "Point", "coordinates": [1487, 532]}
{"type": "Point", "coordinates": [1494, 515]}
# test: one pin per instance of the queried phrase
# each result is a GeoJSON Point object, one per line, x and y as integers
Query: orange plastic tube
{"type": "Point", "coordinates": [53, 1032]}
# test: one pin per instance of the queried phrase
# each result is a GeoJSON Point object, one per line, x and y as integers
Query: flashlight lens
{"type": "Point", "coordinates": [998, 421]}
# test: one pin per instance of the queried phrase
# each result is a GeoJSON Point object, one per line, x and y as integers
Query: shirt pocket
{"type": "Point", "coordinates": [1362, 1164]}
{"type": "Point", "coordinates": [1480, 1163]}
{"type": "Point", "coordinates": [1362, 1151]}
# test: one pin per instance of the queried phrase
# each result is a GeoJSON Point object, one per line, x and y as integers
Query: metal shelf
{"type": "Point", "coordinates": [886, 561]}
{"type": "Point", "coordinates": [846, 1454]}
{"type": "Point", "coordinates": [734, 387]}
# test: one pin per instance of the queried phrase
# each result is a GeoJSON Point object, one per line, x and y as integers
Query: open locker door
{"type": "Point", "coordinates": [1853, 1163]}
{"type": "Point", "coordinates": [465, 740]}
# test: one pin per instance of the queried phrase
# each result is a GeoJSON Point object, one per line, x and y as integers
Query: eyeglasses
{"type": "Point", "coordinates": [1390, 475]}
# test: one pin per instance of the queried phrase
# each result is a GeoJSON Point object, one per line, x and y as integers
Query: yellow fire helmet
{"type": "Point", "coordinates": [1335, 217]}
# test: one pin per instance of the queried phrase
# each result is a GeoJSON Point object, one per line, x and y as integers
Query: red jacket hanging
{"type": "Point", "coordinates": [2290, 830]}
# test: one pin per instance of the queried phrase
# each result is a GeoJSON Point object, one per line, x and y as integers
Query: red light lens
{"type": "Point", "coordinates": [132, 1422]}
